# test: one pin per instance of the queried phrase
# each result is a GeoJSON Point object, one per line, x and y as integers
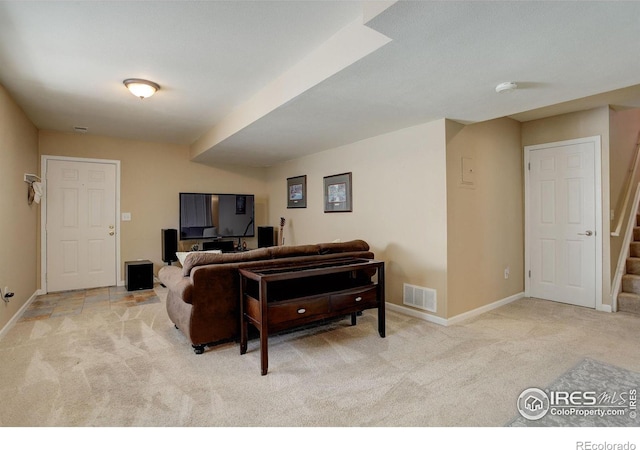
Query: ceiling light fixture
{"type": "Point", "coordinates": [507, 86]}
{"type": "Point", "coordinates": [141, 88]}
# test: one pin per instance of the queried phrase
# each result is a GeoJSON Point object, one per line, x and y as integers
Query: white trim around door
{"type": "Point", "coordinates": [43, 215]}
{"type": "Point", "coordinates": [598, 232]}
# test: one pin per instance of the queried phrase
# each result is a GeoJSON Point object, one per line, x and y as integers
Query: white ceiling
{"type": "Point", "coordinates": [216, 61]}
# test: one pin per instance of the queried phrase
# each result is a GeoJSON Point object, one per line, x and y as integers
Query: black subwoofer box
{"type": "Point", "coordinates": [265, 236]}
{"type": "Point", "coordinates": [169, 245]}
{"type": "Point", "coordinates": [138, 275]}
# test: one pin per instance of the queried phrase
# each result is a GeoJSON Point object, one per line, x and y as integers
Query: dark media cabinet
{"type": "Point", "coordinates": [279, 298]}
{"type": "Point", "coordinates": [225, 246]}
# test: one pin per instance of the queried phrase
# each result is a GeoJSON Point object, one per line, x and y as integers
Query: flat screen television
{"type": "Point", "coordinates": [215, 216]}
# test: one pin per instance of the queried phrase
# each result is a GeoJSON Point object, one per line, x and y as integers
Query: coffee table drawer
{"type": "Point", "coordinates": [291, 311]}
{"type": "Point", "coordinates": [356, 299]}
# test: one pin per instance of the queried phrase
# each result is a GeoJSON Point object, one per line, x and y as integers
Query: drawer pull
{"type": "Point", "coordinates": [358, 299]}
{"type": "Point", "coordinates": [302, 311]}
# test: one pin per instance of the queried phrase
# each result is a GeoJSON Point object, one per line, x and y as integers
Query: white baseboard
{"type": "Point", "coordinates": [484, 309]}
{"type": "Point", "coordinates": [455, 319]}
{"type": "Point", "coordinates": [18, 313]}
{"type": "Point", "coordinates": [604, 308]}
{"type": "Point", "coordinates": [415, 313]}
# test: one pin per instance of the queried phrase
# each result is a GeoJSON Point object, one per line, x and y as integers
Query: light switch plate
{"type": "Point", "coordinates": [126, 217]}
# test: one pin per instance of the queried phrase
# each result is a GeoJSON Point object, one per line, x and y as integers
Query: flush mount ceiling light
{"type": "Point", "coordinates": [507, 86]}
{"type": "Point", "coordinates": [141, 88]}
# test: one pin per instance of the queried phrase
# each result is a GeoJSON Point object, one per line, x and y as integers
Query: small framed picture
{"type": "Point", "coordinates": [337, 193]}
{"type": "Point", "coordinates": [297, 192]}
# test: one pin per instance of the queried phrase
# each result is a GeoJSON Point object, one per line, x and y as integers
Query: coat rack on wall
{"type": "Point", "coordinates": [31, 178]}
{"type": "Point", "coordinates": [35, 187]}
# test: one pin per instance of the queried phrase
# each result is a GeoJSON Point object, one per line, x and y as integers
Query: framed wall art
{"type": "Point", "coordinates": [337, 193]}
{"type": "Point", "coordinates": [297, 192]}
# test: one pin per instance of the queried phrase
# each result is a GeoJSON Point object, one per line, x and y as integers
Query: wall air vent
{"type": "Point", "coordinates": [420, 297]}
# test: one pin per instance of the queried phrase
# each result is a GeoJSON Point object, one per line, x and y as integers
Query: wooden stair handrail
{"type": "Point", "coordinates": [630, 185]}
{"type": "Point", "coordinates": [616, 285]}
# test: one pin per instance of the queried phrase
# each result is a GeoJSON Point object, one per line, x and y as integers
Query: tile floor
{"type": "Point", "coordinates": [68, 303]}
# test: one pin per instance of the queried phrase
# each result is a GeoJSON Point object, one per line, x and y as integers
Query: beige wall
{"type": "Point", "coordinates": [399, 204]}
{"type": "Point", "coordinates": [410, 207]}
{"type": "Point", "coordinates": [18, 155]}
{"type": "Point", "coordinates": [152, 175]}
{"type": "Point", "coordinates": [486, 218]}
{"type": "Point", "coordinates": [594, 122]}
{"type": "Point", "coordinates": [624, 127]}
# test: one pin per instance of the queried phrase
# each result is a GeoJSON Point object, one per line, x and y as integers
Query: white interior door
{"type": "Point", "coordinates": [80, 225]}
{"type": "Point", "coordinates": [562, 222]}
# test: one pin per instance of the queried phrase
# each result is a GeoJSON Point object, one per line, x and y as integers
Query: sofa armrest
{"type": "Point", "coordinates": [172, 278]}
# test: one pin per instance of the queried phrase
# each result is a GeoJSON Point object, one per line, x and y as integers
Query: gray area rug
{"type": "Point", "coordinates": [609, 387]}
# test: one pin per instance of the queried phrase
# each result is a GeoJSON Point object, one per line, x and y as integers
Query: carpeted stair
{"type": "Point", "coordinates": [629, 298]}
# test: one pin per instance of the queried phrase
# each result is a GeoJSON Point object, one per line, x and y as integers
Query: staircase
{"type": "Point", "coordinates": [629, 297]}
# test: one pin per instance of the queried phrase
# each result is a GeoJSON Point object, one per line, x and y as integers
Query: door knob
{"type": "Point", "coordinates": [587, 233]}
{"type": "Point", "coordinates": [111, 233]}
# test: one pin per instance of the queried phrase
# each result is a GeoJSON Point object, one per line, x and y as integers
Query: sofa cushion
{"type": "Point", "coordinates": [357, 245]}
{"type": "Point", "coordinates": [183, 255]}
{"type": "Point", "coordinates": [195, 259]}
{"type": "Point", "coordinates": [287, 251]}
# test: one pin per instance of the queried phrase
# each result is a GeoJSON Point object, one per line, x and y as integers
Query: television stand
{"type": "Point", "coordinates": [226, 246]}
{"type": "Point", "coordinates": [280, 298]}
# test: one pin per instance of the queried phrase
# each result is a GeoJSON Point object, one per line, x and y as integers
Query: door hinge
{"type": "Point", "coordinates": [529, 274]}
{"type": "Point", "coordinates": [529, 166]}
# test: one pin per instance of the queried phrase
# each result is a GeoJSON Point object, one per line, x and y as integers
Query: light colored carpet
{"type": "Point", "coordinates": [128, 366]}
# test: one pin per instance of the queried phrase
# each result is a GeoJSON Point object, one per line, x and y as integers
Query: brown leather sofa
{"type": "Point", "coordinates": [204, 295]}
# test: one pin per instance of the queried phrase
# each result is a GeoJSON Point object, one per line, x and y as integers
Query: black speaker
{"type": "Point", "coordinates": [138, 275]}
{"type": "Point", "coordinates": [169, 245]}
{"type": "Point", "coordinates": [265, 236]}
